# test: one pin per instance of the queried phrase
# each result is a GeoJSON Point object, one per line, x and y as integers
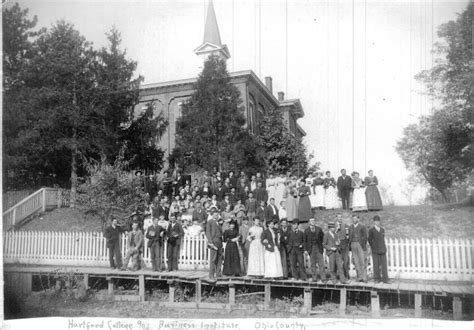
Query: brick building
{"type": "Point", "coordinates": [257, 97]}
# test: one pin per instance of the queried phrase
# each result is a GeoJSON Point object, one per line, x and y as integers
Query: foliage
{"type": "Point", "coordinates": [283, 151]}
{"type": "Point", "coordinates": [439, 147]}
{"type": "Point", "coordinates": [111, 191]}
{"type": "Point", "coordinates": [140, 141]}
{"type": "Point", "coordinates": [212, 121]}
{"type": "Point", "coordinates": [67, 105]}
{"type": "Point", "coordinates": [436, 148]}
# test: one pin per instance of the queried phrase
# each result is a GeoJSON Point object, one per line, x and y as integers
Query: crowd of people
{"type": "Point", "coordinates": [266, 225]}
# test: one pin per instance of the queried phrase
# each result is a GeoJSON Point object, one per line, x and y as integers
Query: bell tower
{"type": "Point", "coordinates": [212, 44]}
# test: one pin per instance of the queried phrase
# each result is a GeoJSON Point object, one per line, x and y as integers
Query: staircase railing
{"type": "Point", "coordinates": [39, 200]}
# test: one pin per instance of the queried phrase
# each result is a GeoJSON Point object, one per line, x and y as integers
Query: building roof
{"type": "Point", "coordinates": [300, 129]}
{"type": "Point", "coordinates": [211, 29]}
{"type": "Point", "coordinates": [295, 105]}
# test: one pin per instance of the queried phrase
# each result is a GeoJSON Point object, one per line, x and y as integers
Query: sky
{"type": "Point", "coordinates": [351, 63]}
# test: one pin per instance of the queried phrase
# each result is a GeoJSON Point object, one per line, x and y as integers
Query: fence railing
{"type": "Point", "coordinates": [12, 197]}
{"type": "Point", "coordinates": [449, 260]}
{"type": "Point", "coordinates": [37, 201]}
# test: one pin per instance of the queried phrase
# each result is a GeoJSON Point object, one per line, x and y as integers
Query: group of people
{"type": "Point", "coordinates": [274, 251]}
{"type": "Point", "coordinates": [282, 196]}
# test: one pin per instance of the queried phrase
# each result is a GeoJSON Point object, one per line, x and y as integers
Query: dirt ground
{"type": "Point", "coordinates": [49, 305]}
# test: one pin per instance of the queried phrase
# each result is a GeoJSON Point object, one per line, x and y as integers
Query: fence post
{"type": "Point", "coordinates": [44, 199]}
{"type": "Point", "coordinates": [58, 198]}
{"type": "Point", "coordinates": [14, 218]}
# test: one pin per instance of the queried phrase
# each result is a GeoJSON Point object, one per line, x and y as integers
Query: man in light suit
{"type": "Point", "coordinates": [134, 247]}
{"type": "Point", "coordinates": [332, 244]}
{"type": "Point", "coordinates": [344, 187]}
{"type": "Point", "coordinates": [214, 239]}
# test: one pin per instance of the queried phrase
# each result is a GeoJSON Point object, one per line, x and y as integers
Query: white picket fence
{"type": "Point", "coordinates": [426, 259]}
{"type": "Point", "coordinates": [38, 201]}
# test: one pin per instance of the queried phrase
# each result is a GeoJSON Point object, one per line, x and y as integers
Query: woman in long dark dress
{"type": "Point", "coordinates": [372, 194]}
{"type": "Point", "coordinates": [231, 256]}
{"type": "Point", "coordinates": [304, 205]}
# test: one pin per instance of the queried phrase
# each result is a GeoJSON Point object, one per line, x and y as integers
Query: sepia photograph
{"type": "Point", "coordinates": [237, 164]}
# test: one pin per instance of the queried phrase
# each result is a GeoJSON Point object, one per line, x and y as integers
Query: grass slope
{"type": "Point", "coordinates": [399, 221]}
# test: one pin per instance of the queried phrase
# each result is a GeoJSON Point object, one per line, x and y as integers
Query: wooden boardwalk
{"type": "Point", "coordinates": [438, 288]}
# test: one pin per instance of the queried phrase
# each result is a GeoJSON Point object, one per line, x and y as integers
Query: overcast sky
{"type": "Point", "coordinates": [352, 64]}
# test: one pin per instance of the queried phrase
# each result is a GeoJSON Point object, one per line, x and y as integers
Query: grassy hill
{"type": "Point", "coordinates": [446, 221]}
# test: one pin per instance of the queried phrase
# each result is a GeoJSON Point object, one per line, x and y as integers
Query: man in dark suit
{"type": "Point", "coordinates": [220, 191]}
{"type": "Point", "coordinates": [260, 213]}
{"type": "Point", "coordinates": [199, 214]}
{"type": "Point", "coordinates": [313, 239]}
{"type": "Point", "coordinates": [332, 245]}
{"type": "Point", "coordinates": [174, 233]}
{"type": "Point", "coordinates": [284, 236]}
{"type": "Point", "coordinates": [261, 193]}
{"type": "Point", "coordinates": [379, 250]}
{"type": "Point", "coordinates": [113, 234]}
{"type": "Point", "coordinates": [155, 234]}
{"type": "Point", "coordinates": [271, 211]}
{"type": "Point", "coordinates": [296, 250]}
{"type": "Point", "coordinates": [358, 244]}
{"type": "Point", "coordinates": [342, 231]}
{"type": "Point", "coordinates": [344, 187]}
{"type": "Point", "coordinates": [214, 239]}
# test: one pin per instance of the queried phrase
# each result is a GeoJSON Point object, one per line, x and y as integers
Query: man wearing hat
{"type": "Point", "coordinates": [296, 251]}
{"type": "Point", "coordinates": [379, 250]}
{"type": "Point", "coordinates": [332, 244]}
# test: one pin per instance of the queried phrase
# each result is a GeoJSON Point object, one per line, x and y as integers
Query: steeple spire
{"type": "Point", "coordinates": [212, 40]}
{"type": "Point", "coordinates": [211, 29]}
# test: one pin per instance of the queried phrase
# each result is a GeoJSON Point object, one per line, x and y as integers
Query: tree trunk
{"type": "Point", "coordinates": [73, 178]}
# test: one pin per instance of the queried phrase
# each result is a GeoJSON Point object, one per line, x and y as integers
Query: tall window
{"type": "Point", "coordinates": [250, 114]}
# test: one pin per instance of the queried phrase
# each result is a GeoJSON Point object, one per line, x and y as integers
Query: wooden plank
{"type": "Point", "coordinates": [231, 295]}
{"type": "Point", "coordinates": [375, 304]}
{"type": "Point", "coordinates": [457, 308]}
{"type": "Point", "coordinates": [141, 287]}
{"type": "Point", "coordinates": [418, 305]}
{"type": "Point", "coordinates": [342, 301]}
{"type": "Point", "coordinates": [198, 291]}
{"type": "Point", "coordinates": [267, 296]}
{"type": "Point", "coordinates": [308, 300]}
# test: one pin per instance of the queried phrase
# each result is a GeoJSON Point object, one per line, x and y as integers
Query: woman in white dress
{"type": "Point", "coordinates": [271, 241]}
{"type": "Point", "coordinates": [331, 200]}
{"type": "Point", "coordinates": [271, 186]}
{"type": "Point", "coordinates": [280, 189]}
{"type": "Point", "coordinates": [312, 197]}
{"type": "Point", "coordinates": [256, 261]}
{"type": "Point", "coordinates": [318, 186]}
{"type": "Point", "coordinates": [359, 201]}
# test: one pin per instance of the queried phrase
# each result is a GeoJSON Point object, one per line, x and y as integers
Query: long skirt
{"type": "Point", "coordinates": [317, 199]}
{"type": "Point", "coordinates": [331, 201]}
{"type": "Point", "coordinates": [374, 202]}
{"type": "Point", "coordinates": [231, 260]}
{"type": "Point", "coordinates": [291, 208]}
{"type": "Point", "coordinates": [256, 263]}
{"type": "Point", "coordinates": [359, 202]}
{"type": "Point", "coordinates": [304, 209]}
{"type": "Point", "coordinates": [273, 266]}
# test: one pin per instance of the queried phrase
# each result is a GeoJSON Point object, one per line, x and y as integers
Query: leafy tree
{"type": "Point", "coordinates": [111, 190]}
{"type": "Point", "coordinates": [439, 147]}
{"type": "Point", "coordinates": [119, 94]}
{"type": "Point", "coordinates": [283, 151]}
{"type": "Point", "coordinates": [140, 141]}
{"type": "Point", "coordinates": [212, 121]}
{"type": "Point", "coordinates": [67, 105]}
